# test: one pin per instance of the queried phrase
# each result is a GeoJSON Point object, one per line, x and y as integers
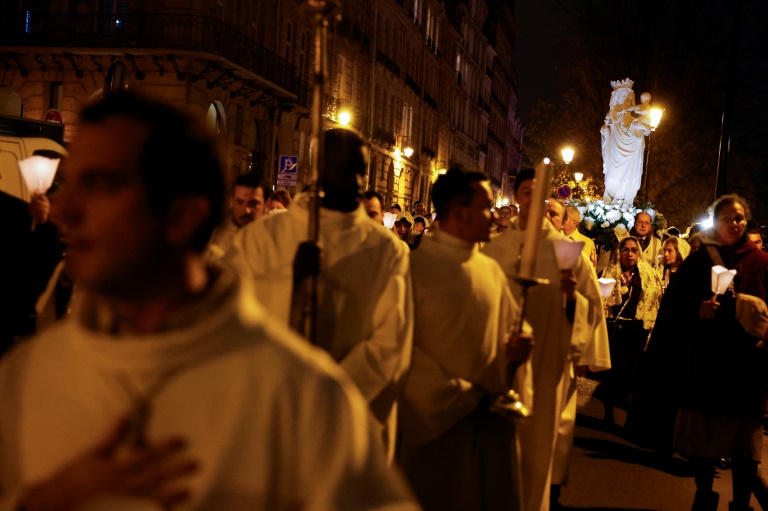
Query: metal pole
{"type": "Point", "coordinates": [645, 174]}
{"type": "Point", "coordinates": [721, 181]}
{"type": "Point", "coordinates": [372, 97]}
{"type": "Point", "coordinates": [322, 11]}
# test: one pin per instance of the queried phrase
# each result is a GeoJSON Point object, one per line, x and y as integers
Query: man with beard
{"type": "Point", "coordinates": [247, 203]}
{"type": "Point", "coordinates": [456, 453]}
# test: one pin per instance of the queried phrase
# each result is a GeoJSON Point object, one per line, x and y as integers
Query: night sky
{"type": "Point", "coordinates": [680, 52]}
{"type": "Point", "coordinates": [543, 31]}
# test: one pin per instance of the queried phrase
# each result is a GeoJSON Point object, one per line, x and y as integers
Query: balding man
{"type": "Point", "coordinates": [649, 243]}
{"type": "Point", "coordinates": [570, 230]}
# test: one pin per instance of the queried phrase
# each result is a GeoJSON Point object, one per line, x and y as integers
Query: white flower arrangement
{"type": "Point", "coordinates": [606, 222]}
{"type": "Point", "coordinates": [613, 216]}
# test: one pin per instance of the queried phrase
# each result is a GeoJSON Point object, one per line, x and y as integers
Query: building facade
{"type": "Point", "coordinates": [427, 83]}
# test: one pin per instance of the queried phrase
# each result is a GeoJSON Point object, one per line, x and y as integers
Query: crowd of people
{"type": "Point", "coordinates": [157, 365]}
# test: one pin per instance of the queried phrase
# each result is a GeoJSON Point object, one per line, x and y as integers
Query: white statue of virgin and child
{"type": "Point", "coordinates": [623, 142]}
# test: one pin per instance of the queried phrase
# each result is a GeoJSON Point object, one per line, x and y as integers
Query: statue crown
{"type": "Point", "coordinates": [623, 83]}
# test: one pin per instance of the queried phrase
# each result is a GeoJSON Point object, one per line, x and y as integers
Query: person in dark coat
{"type": "Point", "coordinates": [715, 369]}
{"type": "Point", "coordinates": [27, 260]}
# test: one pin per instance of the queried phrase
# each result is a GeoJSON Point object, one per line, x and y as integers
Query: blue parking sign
{"type": "Point", "coordinates": [288, 164]}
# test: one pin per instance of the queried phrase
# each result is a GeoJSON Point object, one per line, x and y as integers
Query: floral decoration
{"type": "Point", "coordinates": [607, 222]}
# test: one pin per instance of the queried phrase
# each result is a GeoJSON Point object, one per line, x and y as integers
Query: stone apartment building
{"type": "Point", "coordinates": [427, 83]}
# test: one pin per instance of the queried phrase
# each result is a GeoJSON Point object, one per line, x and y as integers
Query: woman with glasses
{"type": "Point", "coordinates": [635, 302]}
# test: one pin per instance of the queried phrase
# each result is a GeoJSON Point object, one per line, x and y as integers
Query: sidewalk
{"type": "Point", "coordinates": [608, 473]}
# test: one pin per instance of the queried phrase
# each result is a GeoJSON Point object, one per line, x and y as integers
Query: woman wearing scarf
{"type": "Point", "coordinates": [673, 251]}
{"type": "Point", "coordinates": [719, 370]}
{"type": "Point", "coordinates": [636, 297]}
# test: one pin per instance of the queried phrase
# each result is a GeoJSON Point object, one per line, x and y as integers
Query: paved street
{"type": "Point", "coordinates": [608, 473]}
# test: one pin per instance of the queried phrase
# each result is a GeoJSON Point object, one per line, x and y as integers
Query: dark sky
{"type": "Point", "coordinates": [543, 31]}
{"type": "Point", "coordinates": [682, 58]}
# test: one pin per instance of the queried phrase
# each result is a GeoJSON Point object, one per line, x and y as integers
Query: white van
{"type": "Point", "coordinates": [16, 144]}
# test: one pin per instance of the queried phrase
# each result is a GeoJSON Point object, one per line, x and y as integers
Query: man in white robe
{"type": "Point", "coordinates": [456, 454]}
{"type": "Point", "coordinates": [365, 311]}
{"type": "Point", "coordinates": [223, 411]}
{"type": "Point", "coordinates": [567, 335]}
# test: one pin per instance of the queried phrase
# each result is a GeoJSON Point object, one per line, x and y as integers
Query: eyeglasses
{"type": "Point", "coordinates": [627, 250]}
{"type": "Point", "coordinates": [642, 222]}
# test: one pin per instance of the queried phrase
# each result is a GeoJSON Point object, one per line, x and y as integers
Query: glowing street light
{"type": "Point", "coordinates": [656, 114]}
{"type": "Point", "coordinates": [567, 153]}
{"type": "Point", "coordinates": [578, 176]}
{"type": "Point", "coordinates": [408, 151]}
{"type": "Point", "coordinates": [344, 117]}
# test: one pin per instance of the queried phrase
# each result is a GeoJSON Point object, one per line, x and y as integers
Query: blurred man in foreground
{"type": "Point", "coordinates": [169, 386]}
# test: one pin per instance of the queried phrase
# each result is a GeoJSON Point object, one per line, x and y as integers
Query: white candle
{"type": "Point", "coordinates": [535, 218]}
{"type": "Point", "coordinates": [38, 172]}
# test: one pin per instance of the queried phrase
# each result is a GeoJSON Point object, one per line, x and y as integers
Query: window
{"type": "Point", "coordinates": [111, 13]}
{"type": "Point", "coordinates": [406, 121]}
{"type": "Point", "coordinates": [57, 95]}
{"type": "Point", "coordinates": [288, 42]}
{"type": "Point", "coordinates": [216, 120]}
{"type": "Point", "coordinates": [339, 64]}
{"type": "Point", "coordinates": [302, 55]}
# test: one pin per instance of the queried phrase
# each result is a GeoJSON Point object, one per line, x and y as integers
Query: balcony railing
{"type": "Point", "coordinates": [412, 84]}
{"type": "Point", "coordinates": [388, 62]}
{"type": "Point", "coordinates": [160, 31]}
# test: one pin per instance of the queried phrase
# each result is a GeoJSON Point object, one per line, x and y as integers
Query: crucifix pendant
{"type": "Point", "coordinates": [137, 429]}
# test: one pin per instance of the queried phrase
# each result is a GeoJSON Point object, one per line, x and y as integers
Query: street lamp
{"type": "Point", "coordinates": [656, 114]}
{"type": "Point", "coordinates": [344, 117]}
{"type": "Point", "coordinates": [578, 176]}
{"type": "Point", "coordinates": [567, 155]}
{"type": "Point", "coordinates": [408, 151]}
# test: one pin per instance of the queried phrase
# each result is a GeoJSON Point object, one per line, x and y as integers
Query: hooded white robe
{"type": "Point", "coordinates": [546, 438]}
{"type": "Point", "coordinates": [273, 423]}
{"type": "Point", "coordinates": [455, 453]}
{"type": "Point", "coordinates": [365, 310]}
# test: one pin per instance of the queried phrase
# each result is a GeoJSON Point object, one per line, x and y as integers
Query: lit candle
{"type": "Point", "coordinates": [535, 218]}
{"type": "Point", "coordinates": [38, 172]}
{"type": "Point", "coordinates": [606, 286]}
{"type": "Point", "coordinates": [721, 279]}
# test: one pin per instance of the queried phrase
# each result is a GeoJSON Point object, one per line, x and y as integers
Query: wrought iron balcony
{"type": "Point", "coordinates": [159, 31]}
